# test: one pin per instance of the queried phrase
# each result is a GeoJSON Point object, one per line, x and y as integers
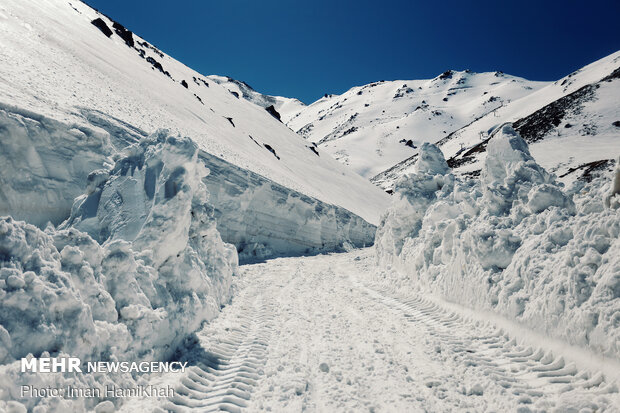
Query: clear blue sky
{"type": "Point", "coordinates": [304, 49]}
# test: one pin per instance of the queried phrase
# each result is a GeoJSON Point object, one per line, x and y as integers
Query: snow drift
{"type": "Point", "coordinates": [514, 242]}
{"type": "Point", "coordinates": [138, 267]}
{"type": "Point", "coordinates": [264, 219]}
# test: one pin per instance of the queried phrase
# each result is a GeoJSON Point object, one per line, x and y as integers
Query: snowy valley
{"type": "Point", "coordinates": [449, 244]}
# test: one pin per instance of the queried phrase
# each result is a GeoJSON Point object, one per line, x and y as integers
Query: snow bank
{"type": "Point", "coordinates": [264, 219]}
{"type": "Point", "coordinates": [44, 164]}
{"type": "Point", "coordinates": [612, 200]}
{"type": "Point", "coordinates": [137, 268]}
{"type": "Point", "coordinates": [47, 163]}
{"type": "Point", "coordinates": [514, 242]}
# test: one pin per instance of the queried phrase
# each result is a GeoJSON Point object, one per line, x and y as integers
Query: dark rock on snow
{"type": "Point", "coordinates": [273, 112]}
{"type": "Point", "coordinates": [100, 24]}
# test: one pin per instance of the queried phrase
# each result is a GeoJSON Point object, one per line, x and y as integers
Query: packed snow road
{"type": "Point", "coordinates": [317, 334]}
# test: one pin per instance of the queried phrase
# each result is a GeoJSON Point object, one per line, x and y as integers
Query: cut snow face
{"type": "Point", "coordinates": [154, 269]}
{"type": "Point", "coordinates": [51, 163]}
{"type": "Point", "coordinates": [514, 242]}
{"type": "Point", "coordinates": [264, 219]}
{"type": "Point", "coordinates": [44, 164]}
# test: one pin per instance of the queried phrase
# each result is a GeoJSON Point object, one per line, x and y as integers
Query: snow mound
{"type": "Point", "coordinates": [431, 161]}
{"type": "Point", "coordinates": [512, 176]}
{"type": "Point", "coordinates": [154, 269]}
{"type": "Point", "coordinates": [514, 242]}
{"type": "Point", "coordinates": [612, 200]}
{"type": "Point", "coordinates": [413, 194]}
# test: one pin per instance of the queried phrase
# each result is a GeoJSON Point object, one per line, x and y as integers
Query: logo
{"type": "Point", "coordinates": [74, 365]}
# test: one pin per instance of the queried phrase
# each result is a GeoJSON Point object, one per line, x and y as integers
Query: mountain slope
{"type": "Point", "coordinates": [284, 107]}
{"type": "Point", "coordinates": [572, 126]}
{"type": "Point", "coordinates": [569, 123]}
{"type": "Point", "coordinates": [59, 62]}
{"type": "Point", "coordinates": [372, 127]}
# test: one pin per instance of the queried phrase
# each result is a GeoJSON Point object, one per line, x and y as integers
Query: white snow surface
{"type": "Point", "coordinates": [514, 242]}
{"type": "Point", "coordinates": [367, 127]}
{"type": "Point", "coordinates": [568, 124]}
{"type": "Point", "coordinates": [286, 107]}
{"type": "Point", "coordinates": [44, 164]}
{"type": "Point", "coordinates": [572, 124]}
{"type": "Point", "coordinates": [264, 219]}
{"type": "Point", "coordinates": [331, 334]}
{"type": "Point", "coordinates": [153, 271]}
{"type": "Point", "coordinates": [47, 164]}
{"type": "Point", "coordinates": [59, 65]}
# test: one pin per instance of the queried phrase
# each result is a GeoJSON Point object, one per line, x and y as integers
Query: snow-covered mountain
{"type": "Point", "coordinates": [373, 127]}
{"type": "Point", "coordinates": [572, 126]}
{"type": "Point", "coordinates": [283, 108]}
{"type": "Point", "coordinates": [377, 129]}
{"type": "Point", "coordinates": [77, 87]}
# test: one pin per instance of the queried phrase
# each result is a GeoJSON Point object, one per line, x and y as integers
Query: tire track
{"type": "Point", "coordinates": [229, 364]}
{"type": "Point", "coordinates": [528, 373]}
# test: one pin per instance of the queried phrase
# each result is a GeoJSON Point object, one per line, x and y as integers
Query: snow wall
{"type": "Point", "coordinates": [514, 242]}
{"type": "Point", "coordinates": [45, 165]}
{"type": "Point", "coordinates": [264, 219]}
{"type": "Point", "coordinates": [136, 269]}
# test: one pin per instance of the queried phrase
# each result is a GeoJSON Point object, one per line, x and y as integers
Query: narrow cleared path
{"type": "Point", "coordinates": [316, 334]}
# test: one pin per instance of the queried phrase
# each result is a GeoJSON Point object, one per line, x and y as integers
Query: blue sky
{"type": "Point", "coordinates": [305, 49]}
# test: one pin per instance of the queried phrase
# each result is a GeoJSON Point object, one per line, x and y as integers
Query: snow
{"type": "Point", "coordinates": [569, 123]}
{"type": "Point", "coordinates": [284, 106]}
{"type": "Point", "coordinates": [611, 200]}
{"type": "Point", "coordinates": [59, 65]}
{"type": "Point", "coordinates": [76, 105]}
{"type": "Point", "coordinates": [331, 333]}
{"type": "Point", "coordinates": [132, 186]}
{"type": "Point", "coordinates": [153, 271]}
{"type": "Point", "coordinates": [45, 164]}
{"type": "Point", "coordinates": [264, 219]}
{"type": "Point", "coordinates": [377, 129]}
{"type": "Point", "coordinates": [368, 126]}
{"type": "Point", "coordinates": [514, 242]}
{"type": "Point", "coordinates": [49, 163]}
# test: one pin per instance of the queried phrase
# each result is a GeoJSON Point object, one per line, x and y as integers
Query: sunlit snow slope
{"type": "Point", "coordinates": [58, 64]}
{"type": "Point", "coordinates": [373, 127]}
{"type": "Point", "coordinates": [571, 125]}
